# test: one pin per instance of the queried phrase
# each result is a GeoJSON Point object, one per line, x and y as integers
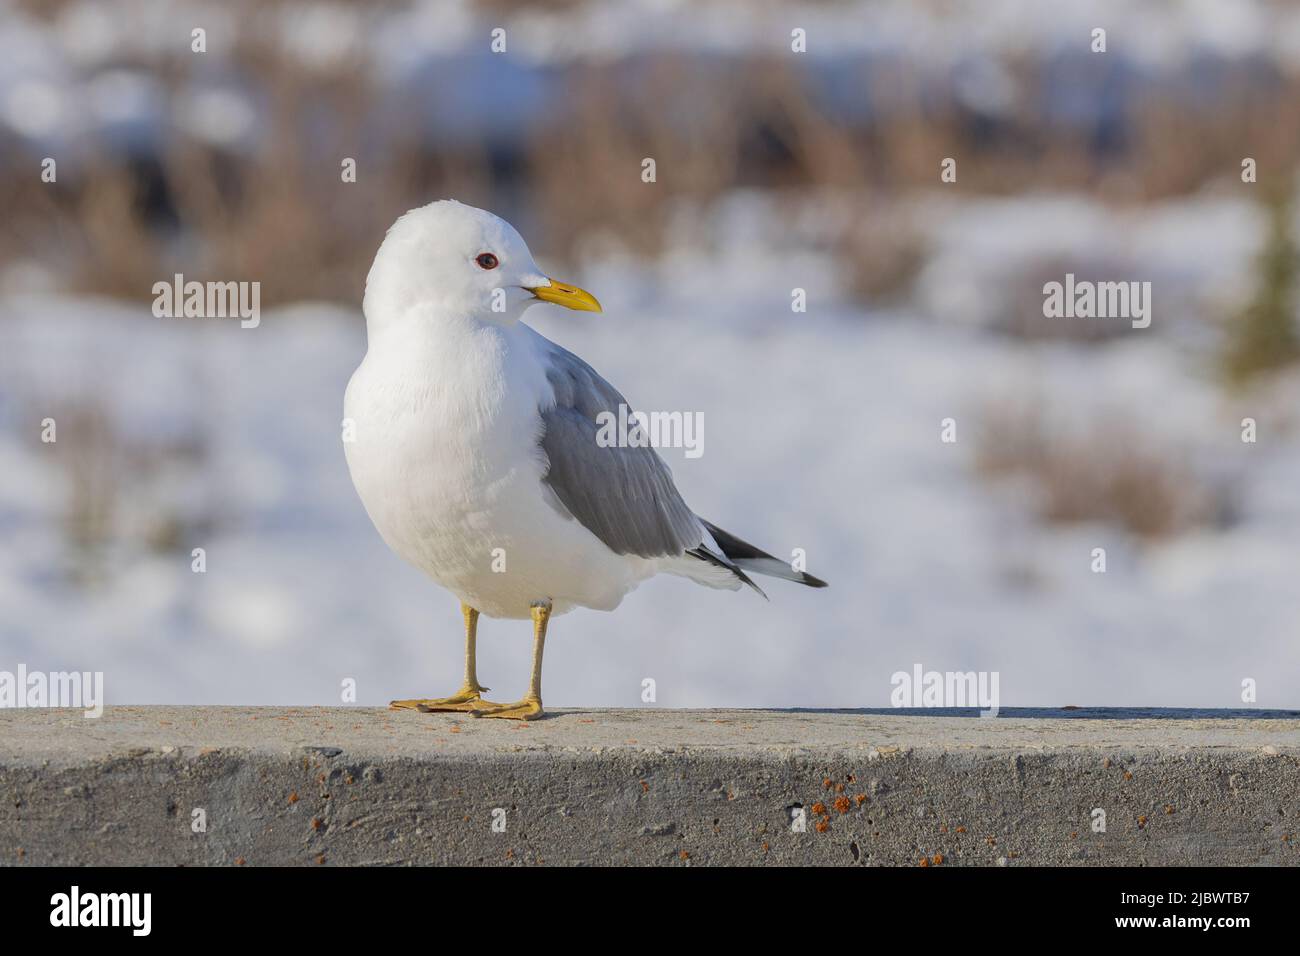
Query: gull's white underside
{"type": "Point", "coordinates": [447, 462]}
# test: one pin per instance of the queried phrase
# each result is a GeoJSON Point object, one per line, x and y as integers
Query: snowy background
{"type": "Point", "coordinates": [822, 429]}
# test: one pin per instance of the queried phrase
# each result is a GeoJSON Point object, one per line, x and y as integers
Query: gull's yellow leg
{"type": "Point", "coordinates": [530, 708]}
{"type": "Point", "coordinates": [471, 691]}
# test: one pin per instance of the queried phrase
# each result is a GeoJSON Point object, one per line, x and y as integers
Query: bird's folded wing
{"type": "Point", "coordinates": [624, 495]}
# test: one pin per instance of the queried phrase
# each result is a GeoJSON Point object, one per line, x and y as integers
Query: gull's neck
{"type": "Point", "coordinates": [427, 323]}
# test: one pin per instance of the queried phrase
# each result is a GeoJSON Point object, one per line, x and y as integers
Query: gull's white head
{"type": "Point", "coordinates": [460, 261]}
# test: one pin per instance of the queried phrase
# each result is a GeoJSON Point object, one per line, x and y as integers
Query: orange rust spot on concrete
{"type": "Point", "coordinates": [819, 808]}
{"type": "Point", "coordinates": [822, 825]}
{"type": "Point", "coordinates": [842, 804]}
{"type": "Point", "coordinates": [293, 797]}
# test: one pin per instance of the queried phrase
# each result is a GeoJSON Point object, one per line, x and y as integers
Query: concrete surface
{"type": "Point", "coordinates": [356, 785]}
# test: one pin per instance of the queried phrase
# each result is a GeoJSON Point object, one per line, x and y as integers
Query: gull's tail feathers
{"type": "Point", "coordinates": [744, 555]}
{"type": "Point", "coordinates": [732, 577]}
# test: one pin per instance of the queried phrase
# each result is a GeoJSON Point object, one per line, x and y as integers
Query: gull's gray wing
{"type": "Point", "coordinates": [624, 496]}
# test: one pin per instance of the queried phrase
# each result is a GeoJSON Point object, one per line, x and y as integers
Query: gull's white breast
{"type": "Point", "coordinates": [446, 460]}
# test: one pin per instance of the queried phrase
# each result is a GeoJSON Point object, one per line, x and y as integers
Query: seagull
{"type": "Point", "coordinates": [473, 447]}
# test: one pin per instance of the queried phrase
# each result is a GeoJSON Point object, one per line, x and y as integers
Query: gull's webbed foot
{"type": "Point", "coordinates": [467, 698]}
{"type": "Point", "coordinates": [530, 708]}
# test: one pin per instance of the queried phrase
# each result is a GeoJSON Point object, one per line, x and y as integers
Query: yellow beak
{"type": "Point", "coordinates": [569, 296]}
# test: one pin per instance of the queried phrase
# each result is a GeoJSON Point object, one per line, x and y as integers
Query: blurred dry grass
{"type": "Point", "coordinates": [117, 492]}
{"type": "Point", "coordinates": [280, 213]}
{"type": "Point", "coordinates": [1107, 470]}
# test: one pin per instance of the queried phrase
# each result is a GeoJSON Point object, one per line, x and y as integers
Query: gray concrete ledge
{"type": "Point", "coordinates": [367, 786]}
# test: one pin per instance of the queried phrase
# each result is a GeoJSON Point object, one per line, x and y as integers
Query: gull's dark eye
{"type": "Point", "coordinates": [487, 261]}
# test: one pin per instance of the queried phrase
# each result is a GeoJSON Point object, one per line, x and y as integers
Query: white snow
{"type": "Point", "coordinates": [822, 433]}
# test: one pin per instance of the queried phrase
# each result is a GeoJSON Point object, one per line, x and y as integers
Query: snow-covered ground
{"type": "Point", "coordinates": [85, 75]}
{"type": "Point", "coordinates": [822, 432]}
{"type": "Point", "coordinates": [822, 429]}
